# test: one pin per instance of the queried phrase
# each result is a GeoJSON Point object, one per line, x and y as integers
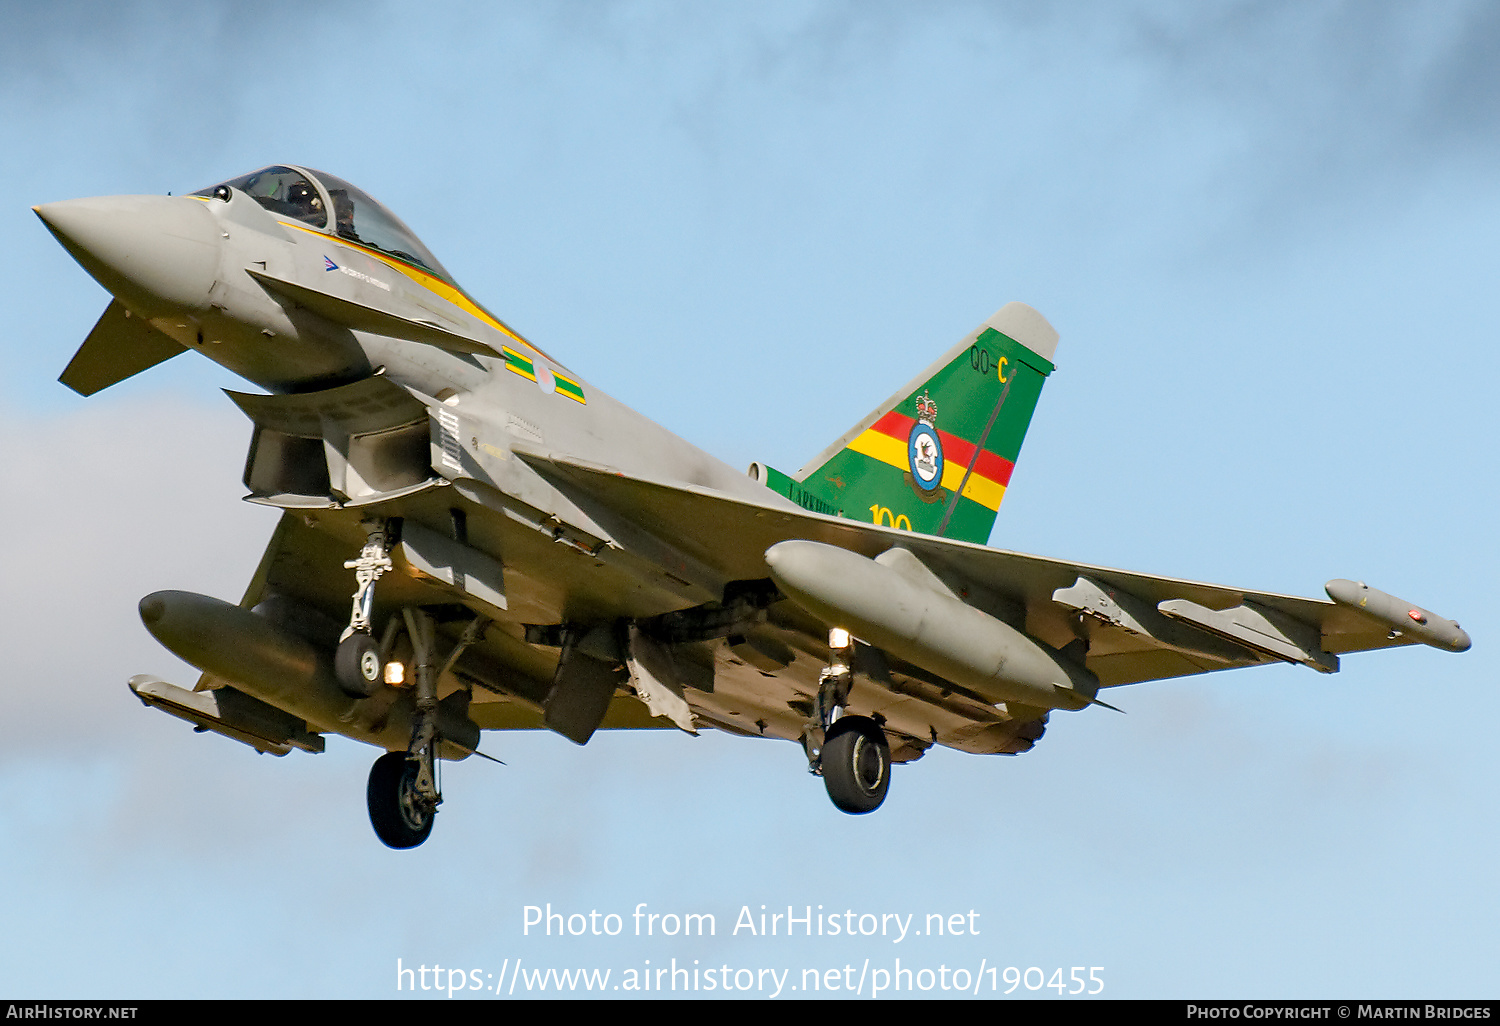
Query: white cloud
{"type": "Point", "coordinates": [99, 507]}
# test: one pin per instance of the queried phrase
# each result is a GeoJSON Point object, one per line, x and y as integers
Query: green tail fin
{"type": "Point", "coordinates": [937, 456]}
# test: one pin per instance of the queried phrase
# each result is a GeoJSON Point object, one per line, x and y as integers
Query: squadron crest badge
{"type": "Point", "coordinates": [924, 449]}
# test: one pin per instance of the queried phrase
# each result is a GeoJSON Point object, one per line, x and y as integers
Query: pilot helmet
{"type": "Point", "coordinates": [303, 195]}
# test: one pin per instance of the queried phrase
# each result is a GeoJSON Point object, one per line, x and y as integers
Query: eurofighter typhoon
{"type": "Point", "coordinates": [473, 537]}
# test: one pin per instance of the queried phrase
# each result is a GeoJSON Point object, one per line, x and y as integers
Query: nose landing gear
{"type": "Point", "coordinates": [358, 666]}
{"type": "Point", "coordinates": [357, 663]}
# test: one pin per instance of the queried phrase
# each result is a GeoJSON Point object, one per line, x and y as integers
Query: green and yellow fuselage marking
{"type": "Point", "coordinates": [514, 360]}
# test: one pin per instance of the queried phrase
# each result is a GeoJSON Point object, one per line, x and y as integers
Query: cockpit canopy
{"type": "Point", "coordinates": [307, 196]}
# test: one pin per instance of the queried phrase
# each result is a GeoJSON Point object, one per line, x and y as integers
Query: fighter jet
{"type": "Point", "coordinates": [474, 537]}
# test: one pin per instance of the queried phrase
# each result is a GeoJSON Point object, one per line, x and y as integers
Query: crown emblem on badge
{"type": "Point", "coordinates": [926, 409]}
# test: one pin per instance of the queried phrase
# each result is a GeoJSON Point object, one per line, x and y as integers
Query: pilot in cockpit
{"type": "Point", "coordinates": [343, 214]}
{"type": "Point", "coordinates": [303, 200]}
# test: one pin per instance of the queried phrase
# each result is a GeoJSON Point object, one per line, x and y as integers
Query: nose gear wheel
{"type": "Point", "coordinates": [358, 666]}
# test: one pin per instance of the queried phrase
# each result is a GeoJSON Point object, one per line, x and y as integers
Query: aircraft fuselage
{"type": "Point", "coordinates": [475, 537]}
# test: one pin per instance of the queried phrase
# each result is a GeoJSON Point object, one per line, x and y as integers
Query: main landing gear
{"type": "Point", "coordinates": [854, 759]}
{"type": "Point", "coordinates": [856, 762]}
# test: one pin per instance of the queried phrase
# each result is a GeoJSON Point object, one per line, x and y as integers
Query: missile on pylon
{"type": "Point", "coordinates": [1400, 616]}
{"type": "Point", "coordinates": [292, 674]}
{"type": "Point", "coordinates": [910, 614]}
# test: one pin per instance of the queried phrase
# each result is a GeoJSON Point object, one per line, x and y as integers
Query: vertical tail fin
{"type": "Point", "coordinates": [937, 456]}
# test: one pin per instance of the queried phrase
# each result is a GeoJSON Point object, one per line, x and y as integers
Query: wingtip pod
{"type": "Point", "coordinates": [1401, 616]}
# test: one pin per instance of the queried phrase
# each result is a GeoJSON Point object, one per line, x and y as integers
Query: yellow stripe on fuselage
{"type": "Point", "coordinates": [430, 282]}
{"type": "Point", "coordinates": [893, 452]}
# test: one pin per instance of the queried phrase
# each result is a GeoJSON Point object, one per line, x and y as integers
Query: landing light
{"type": "Point", "coordinates": [395, 673]}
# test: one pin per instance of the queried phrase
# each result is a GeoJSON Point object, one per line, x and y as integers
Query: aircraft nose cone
{"type": "Point", "coordinates": [158, 254]}
{"type": "Point", "coordinates": [152, 608]}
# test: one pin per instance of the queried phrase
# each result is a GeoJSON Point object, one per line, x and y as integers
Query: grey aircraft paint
{"type": "Point", "coordinates": [524, 552]}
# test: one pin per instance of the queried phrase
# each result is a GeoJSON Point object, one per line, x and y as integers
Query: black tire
{"type": "Point", "coordinates": [856, 763]}
{"type": "Point", "coordinates": [358, 666]}
{"type": "Point", "coordinates": [400, 818]}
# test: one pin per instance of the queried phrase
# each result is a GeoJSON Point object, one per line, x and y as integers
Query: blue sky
{"type": "Point", "coordinates": [1266, 234]}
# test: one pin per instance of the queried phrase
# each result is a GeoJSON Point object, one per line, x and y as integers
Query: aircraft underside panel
{"type": "Point", "coordinates": [762, 676]}
{"type": "Point", "coordinates": [762, 685]}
